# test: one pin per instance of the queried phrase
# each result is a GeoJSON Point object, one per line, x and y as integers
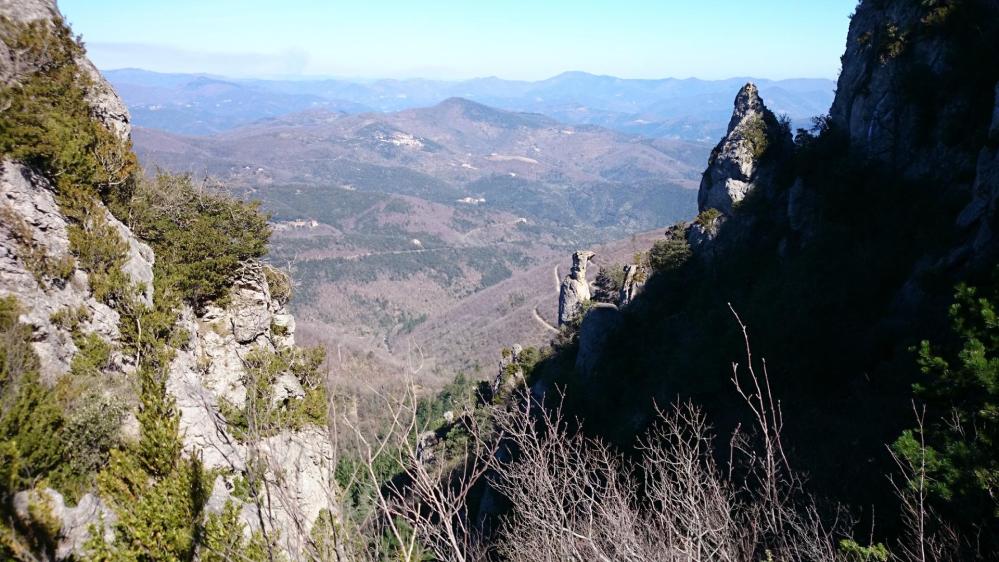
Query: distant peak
{"type": "Point", "coordinates": [459, 103]}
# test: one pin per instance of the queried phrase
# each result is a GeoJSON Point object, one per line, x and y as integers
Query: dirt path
{"type": "Point", "coordinates": [547, 326]}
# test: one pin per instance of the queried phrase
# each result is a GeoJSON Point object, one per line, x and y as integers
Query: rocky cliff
{"type": "Point", "coordinates": [210, 371]}
{"type": "Point", "coordinates": [840, 249]}
{"type": "Point", "coordinates": [55, 242]}
{"type": "Point", "coordinates": [919, 95]}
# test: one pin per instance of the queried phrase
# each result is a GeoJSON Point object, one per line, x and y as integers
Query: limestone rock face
{"type": "Point", "coordinates": [700, 233]}
{"type": "Point", "coordinates": [733, 166]}
{"type": "Point", "coordinates": [26, 11]}
{"type": "Point", "coordinates": [139, 262]}
{"type": "Point", "coordinates": [575, 289]}
{"type": "Point", "coordinates": [300, 467]}
{"type": "Point", "coordinates": [32, 226]}
{"type": "Point", "coordinates": [510, 375]}
{"type": "Point", "coordinates": [210, 369]}
{"type": "Point", "coordinates": [250, 311]}
{"type": "Point", "coordinates": [890, 47]}
{"type": "Point", "coordinates": [104, 101]}
{"type": "Point", "coordinates": [903, 99]}
{"type": "Point", "coordinates": [211, 366]}
{"type": "Point", "coordinates": [33, 230]}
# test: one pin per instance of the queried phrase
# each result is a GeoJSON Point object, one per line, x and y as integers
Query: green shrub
{"type": "Point", "coordinates": [201, 238]}
{"type": "Point", "coordinates": [893, 42]}
{"type": "Point", "coordinates": [609, 281]}
{"type": "Point", "coordinates": [70, 319]}
{"type": "Point", "coordinates": [854, 552]}
{"type": "Point", "coordinates": [706, 218]}
{"type": "Point", "coordinates": [668, 254]}
{"type": "Point", "coordinates": [101, 252]}
{"type": "Point", "coordinates": [93, 356]}
{"type": "Point", "coordinates": [961, 383]}
{"type": "Point", "coordinates": [91, 432]}
{"type": "Point", "coordinates": [755, 132]}
{"type": "Point", "coordinates": [225, 540]}
{"type": "Point", "coordinates": [30, 418]}
{"type": "Point", "coordinates": [279, 284]}
{"type": "Point", "coordinates": [47, 122]}
{"type": "Point", "coordinates": [260, 416]}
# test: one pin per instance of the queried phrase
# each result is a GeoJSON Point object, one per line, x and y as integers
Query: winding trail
{"type": "Point", "coordinates": [545, 324]}
{"type": "Point", "coordinates": [537, 314]}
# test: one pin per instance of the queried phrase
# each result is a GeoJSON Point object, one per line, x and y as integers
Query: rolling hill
{"type": "Point", "coordinates": [397, 226]}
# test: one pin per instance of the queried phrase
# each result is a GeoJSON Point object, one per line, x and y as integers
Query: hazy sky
{"type": "Point", "coordinates": [524, 39]}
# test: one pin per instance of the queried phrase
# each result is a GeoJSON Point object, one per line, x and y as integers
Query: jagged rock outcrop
{"type": "Point", "coordinates": [35, 263]}
{"type": "Point", "coordinates": [38, 268]}
{"type": "Point", "coordinates": [139, 259]}
{"type": "Point", "coordinates": [575, 289]}
{"type": "Point", "coordinates": [510, 375]}
{"type": "Point", "coordinates": [34, 233]}
{"type": "Point", "coordinates": [634, 281]}
{"type": "Point", "coordinates": [734, 167]}
{"type": "Point", "coordinates": [700, 233]}
{"type": "Point", "coordinates": [211, 369]}
{"type": "Point", "coordinates": [920, 97]}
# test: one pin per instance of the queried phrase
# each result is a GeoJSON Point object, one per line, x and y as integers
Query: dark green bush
{"type": "Point", "coordinates": [961, 385]}
{"type": "Point", "coordinates": [668, 254]}
{"type": "Point", "coordinates": [47, 121]}
{"type": "Point", "coordinates": [201, 237]}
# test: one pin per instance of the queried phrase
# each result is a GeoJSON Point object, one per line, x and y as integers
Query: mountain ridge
{"type": "Point", "coordinates": [667, 107]}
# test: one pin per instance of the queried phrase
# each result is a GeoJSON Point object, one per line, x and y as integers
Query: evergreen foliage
{"type": "Point", "coordinates": [224, 539]}
{"type": "Point", "coordinates": [961, 385]}
{"type": "Point", "coordinates": [202, 237]}
{"type": "Point", "coordinates": [668, 254]}
{"type": "Point", "coordinates": [261, 416]}
{"type": "Point", "coordinates": [47, 122]}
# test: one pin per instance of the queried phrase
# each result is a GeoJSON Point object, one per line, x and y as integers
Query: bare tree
{"type": "Point", "coordinates": [927, 538]}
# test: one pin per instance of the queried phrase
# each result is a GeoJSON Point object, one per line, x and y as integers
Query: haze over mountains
{"type": "Point", "coordinates": [689, 109]}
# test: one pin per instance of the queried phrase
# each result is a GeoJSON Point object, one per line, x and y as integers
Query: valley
{"type": "Point", "coordinates": [434, 230]}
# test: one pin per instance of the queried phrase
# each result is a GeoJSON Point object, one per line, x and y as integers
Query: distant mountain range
{"type": "Point", "coordinates": [689, 109]}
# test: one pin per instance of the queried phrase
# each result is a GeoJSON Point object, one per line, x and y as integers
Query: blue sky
{"type": "Point", "coordinates": [516, 39]}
